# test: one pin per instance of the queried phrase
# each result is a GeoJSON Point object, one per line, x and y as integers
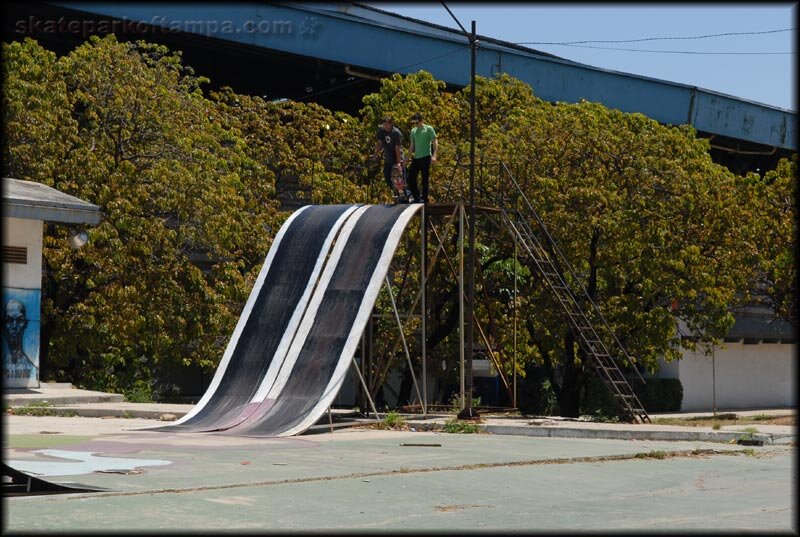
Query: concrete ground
{"type": "Point", "coordinates": [64, 400]}
{"type": "Point", "coordinates": [366, 480]}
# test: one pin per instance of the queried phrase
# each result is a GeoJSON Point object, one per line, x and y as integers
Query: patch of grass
{"type": "Point", "coordinates": [749, 433]}
{"type": "Point", "coordinates": [728, 419]}
{"type": "Point", "coordinates": [601, 417]}
{"type": "Point", "coordinates": [716, 426]}
{"type": "Point", "coordinates": [460, 427]}
{"type": "Point", "coordinates": [653, 454]}
{"type": "Point", "coordinates": [41, 408]}
{"type": "Point", "coordinates": [455, 403]}
{"type": "Point", "coordinates": [750, 452]}
{"type": "Point", "coordinates": [127, 414]}
{"type": "Point", "coordinates": [392, 420]}
{"type": "Point", "coordinates": [725, 416]}
{"type": "Point", "coordinates": [39, 404]}
{"type": "Point", "coordinates": [37, 410]}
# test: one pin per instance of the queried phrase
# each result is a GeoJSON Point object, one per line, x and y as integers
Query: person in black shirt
{"type": "Point", "coordinates": [390, 139]}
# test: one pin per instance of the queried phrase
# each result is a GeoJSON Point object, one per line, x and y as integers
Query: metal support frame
{"type": "Point", "coordinates": [427, 266]}
{"type": "Point", "coordinates": [468, 413]}
{"type": "Point", "coordinates": [423, 308]}
{"type": "Point", "coordinates": [461, 299]}
{"type": "Point", "coordinates": [514, 314]}
{"type": "Point", "coordinates": [483, 335]}
{"type": "Point", "coordinates": [400, 327]}
{"type": "Point", "coordinates": [383, 368]}
{"type": "Point", "coordinates": [364, 385]}
{"type": "Point", "coordinates": [379, 371]}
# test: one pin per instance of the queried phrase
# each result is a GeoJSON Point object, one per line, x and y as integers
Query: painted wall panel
{"type": "Point", "coordinates": [27, 234]}
{"type": "Point", "coordinates": [21, 330]}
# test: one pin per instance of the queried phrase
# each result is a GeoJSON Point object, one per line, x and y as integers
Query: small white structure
{"type": "Point", "coordinates": [755, 367]}
{"type": "Point", "coordinates": [26, 206]}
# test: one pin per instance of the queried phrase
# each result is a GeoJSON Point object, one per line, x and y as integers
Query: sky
{"type": "Point", "coordinates": [763, 78]}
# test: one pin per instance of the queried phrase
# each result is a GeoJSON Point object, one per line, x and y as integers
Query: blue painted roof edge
{"type": "Point", "coordinates": [499, 44]}
{"type": "Point", "coordinates": [668, 102]}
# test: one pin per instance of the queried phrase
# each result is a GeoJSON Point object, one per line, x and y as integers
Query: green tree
{"type": "Point", "coordinates": [38, 129]}
{"type": "Point", "coordinates": [173, 184]}
{"type": "Point", "coordinates": [309, 150]}
{"type": "Point", "coordinates": [651, 225]}
{"type": "Point", "coordinates": [772, 217]}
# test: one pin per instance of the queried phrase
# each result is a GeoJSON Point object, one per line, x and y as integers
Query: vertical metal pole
{"type": "Point", "coordinates": [370, 358]}
{"type": "Point", "coordinates": [364, 384]}
{"type": "Point", "coordinates": [364, 356]}
{"type": "Point", "coordinates": [468, 412]}
{"type": "Point", "coordinates": [515, 323]}
{"type": "Point", "coordinates": [461, 296]}
{"type": "Point", "coordinates": [423, 307]}
{"type": "Point", "coordinates": [713, 382]}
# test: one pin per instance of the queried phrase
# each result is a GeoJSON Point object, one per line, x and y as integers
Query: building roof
{"type": "Point", "coordinates": [363, 37]}
{"type": "Point", "coordinates": [36, 201]}
{"type": "Point", "coordinates": [760, 325]}
{"type": "Point", "coordinates": [558, 79]}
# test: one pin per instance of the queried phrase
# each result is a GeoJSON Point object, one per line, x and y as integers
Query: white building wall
{"type": "Point", "coordinates": [742, 376]}
{"type": "Point", "coordinates": [26, 233]}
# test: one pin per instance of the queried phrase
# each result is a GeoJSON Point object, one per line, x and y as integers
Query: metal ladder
{"type": "Point", "coordinates": [589, 338]}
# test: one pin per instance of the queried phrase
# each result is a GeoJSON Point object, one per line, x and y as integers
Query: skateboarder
{"type": "Point", "coordinates": [390, 139]}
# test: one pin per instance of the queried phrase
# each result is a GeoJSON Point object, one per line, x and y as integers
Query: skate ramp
{"type": "Point", "coordinates": [269, 319]}
{"type": "Point", "coordinates": [316, 364]}
{"type": "Point", "coordinates": [302, 323]}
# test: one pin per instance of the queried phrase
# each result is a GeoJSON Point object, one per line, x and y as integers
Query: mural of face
{"type": "Point", "coordinates": [14, 324]}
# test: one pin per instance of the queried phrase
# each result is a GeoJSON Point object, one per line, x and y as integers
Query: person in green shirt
{"type": "Point", "coordinates": [422, 153]}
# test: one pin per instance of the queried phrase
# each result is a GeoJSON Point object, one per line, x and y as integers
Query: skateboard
{"type": "Point", "coordinates": [401, 192]}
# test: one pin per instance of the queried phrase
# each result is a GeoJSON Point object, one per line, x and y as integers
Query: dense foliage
{"type": "Point", "coordinates": [188, 183]}
{"type": "Point", "coordinates": [125, 126]}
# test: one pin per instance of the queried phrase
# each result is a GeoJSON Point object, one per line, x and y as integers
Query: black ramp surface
{"type": "Point", "coordinates": [271, 314]}
{"type": "Point", "coordinates": [328, 348]}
